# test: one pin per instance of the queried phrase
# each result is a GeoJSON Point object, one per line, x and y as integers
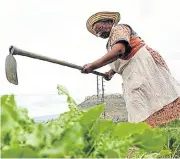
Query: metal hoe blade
{"type": "Point", "coordinates": [11, 69]}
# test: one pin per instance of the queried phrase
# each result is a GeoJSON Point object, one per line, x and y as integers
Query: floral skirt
{"type": "Point", "coordinates": [167, 114]}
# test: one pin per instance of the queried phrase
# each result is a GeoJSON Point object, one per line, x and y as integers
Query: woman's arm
{"type": "Point", "coordinates": [108, 58]}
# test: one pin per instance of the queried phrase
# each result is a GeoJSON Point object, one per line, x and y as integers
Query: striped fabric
{"type": "Point", "coordinates": [136, 43]}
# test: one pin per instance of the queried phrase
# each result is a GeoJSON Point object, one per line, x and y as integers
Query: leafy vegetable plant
{"type": "Point", "coordinates": [76, 134]}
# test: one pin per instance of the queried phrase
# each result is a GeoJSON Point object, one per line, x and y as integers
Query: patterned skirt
{"type": "Point", "coordinates": [167, 114]}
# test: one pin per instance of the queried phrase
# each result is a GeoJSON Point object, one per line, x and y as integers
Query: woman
{"type": "Point", "coordinates": [150, 92]}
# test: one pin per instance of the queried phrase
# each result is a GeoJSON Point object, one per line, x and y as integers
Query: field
{"type": "Point", "coordinates": [82, 134]}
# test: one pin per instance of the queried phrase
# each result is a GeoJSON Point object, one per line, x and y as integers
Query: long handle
{"type": "Point", "coordinates": [15, 51]}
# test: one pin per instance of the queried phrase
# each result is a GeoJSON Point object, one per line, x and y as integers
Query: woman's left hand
{"type": "Point", "coordinates": [88, 68]}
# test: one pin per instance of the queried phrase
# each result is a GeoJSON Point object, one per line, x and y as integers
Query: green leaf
{"type": "Point", "coordinates": [71, 140]}
{"type": "Point", "coordinates": [126, 129]}
{"type": "Point", "coordinates": [102, 126]}
{"type": "Point", "coordinates": [151, 155]}
{"type": "Point", "coordinates": [164, 153]}
{"type": "Point", "coordinates": [19, 153]}
{"type": "Point", "coordinates": [72, 104]}
{"type": "Point", "coordinates": [62, 90]}
{"type": "Point", "coordinates": [150, 140]}
{"type": "Point", "coordinates": [111, 154]}
{"type": "Point", "coordinates": [92, 114]}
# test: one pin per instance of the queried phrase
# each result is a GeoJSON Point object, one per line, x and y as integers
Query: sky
{"type": "Point", "coordinates": [57, 29]}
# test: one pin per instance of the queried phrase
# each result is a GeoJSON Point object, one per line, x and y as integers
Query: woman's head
{"type": "Point", "coordinates": [103, 27]}
{"type": "Point", "coordinates": [100, 24]}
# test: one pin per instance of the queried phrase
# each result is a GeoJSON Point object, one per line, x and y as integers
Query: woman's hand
{"type": "Point", "coordinates": [109, 75]}
{"type": "Point", "coordinates": [88, 68]}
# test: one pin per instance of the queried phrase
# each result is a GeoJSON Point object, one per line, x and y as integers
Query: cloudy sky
{"type": "Point", "coordinates": [57, 28]}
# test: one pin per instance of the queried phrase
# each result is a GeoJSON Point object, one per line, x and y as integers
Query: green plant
{"type": "Point", "coordinates": [75, 134]}
{"type": "Point", "coordinates": [172, 135]}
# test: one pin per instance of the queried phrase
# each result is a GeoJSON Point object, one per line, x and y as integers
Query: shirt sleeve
{"type": "Point", "coordinates": [120, 33]}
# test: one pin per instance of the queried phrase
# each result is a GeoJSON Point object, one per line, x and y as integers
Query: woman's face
{"type": "Point", "coordinates": [102, 29]}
